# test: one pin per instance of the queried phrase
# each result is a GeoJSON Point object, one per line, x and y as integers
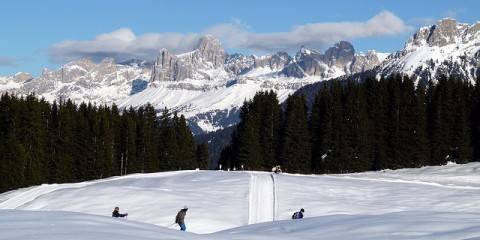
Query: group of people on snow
{"type": "Point", "coordinates": [180, 218]}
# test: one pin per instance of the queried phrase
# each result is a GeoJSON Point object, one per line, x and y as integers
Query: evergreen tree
{"type": "Point", "coordinates": [150, 139]}
{"type": "Point", "coordinates": [249, 152]}
{"type": "Point", "coordinates": [407, 133]}
{"type": "Point", "coordinates": [461, 147]}
{"type": "Point", "coordinates": [64, 172]}
{"type": "Point", "coordinates": [12, 162]}
{"type": "Point", "coordinates": [441, 120]}
{"type": "Point", "coordinates": [421, 154]}
{"type": "Point", "coordinates": [357, 150]}
{"type": "Point", "coordinates": [376, 98]}
{"type": "Point", "coordinates": [202, 156]}
{"type": "Point", "coordinates": [295, 151]}
{"type": "Point", "coordinates": [321, 129]}
{"type": "Point", "coordinates": [186, 148]}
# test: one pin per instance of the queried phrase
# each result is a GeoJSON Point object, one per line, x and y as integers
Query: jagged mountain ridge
{"type": "Point", "coordinates": [443, 49]}
{"type": "Point", "coordinates": [207, 85]}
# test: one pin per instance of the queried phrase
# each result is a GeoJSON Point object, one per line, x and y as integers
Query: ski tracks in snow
{"type": "Point", "coordinates": [262, 199]}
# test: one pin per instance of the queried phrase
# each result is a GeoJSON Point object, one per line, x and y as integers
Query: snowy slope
{"type": "Point", "coordinates": [401, 225]}
{"type": "Point", "coordinates": [152, 198]}
{"type": "Point", "coordinates": [426, 203]}
{"type": "Point", "coordinates": [35, 225]}
{"type": "Point", "coordinates": [203, 102]}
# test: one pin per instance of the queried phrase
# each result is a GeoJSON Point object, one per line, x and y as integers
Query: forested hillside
{"type": "Point", "coordinates": [359, 126]}
{"type": "Point", "coordinates": [57, 143]}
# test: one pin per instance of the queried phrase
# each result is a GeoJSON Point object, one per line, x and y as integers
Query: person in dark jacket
{"type": "Point", "coordinates": [117, 214]}
{"type": "Point", "coordinates": [180, 218]}
{"type": "Point", "coordinates": [299, 214]}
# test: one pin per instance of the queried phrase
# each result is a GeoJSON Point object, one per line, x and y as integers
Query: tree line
{"type": "Point", "coordinates": [354, 126]}
{"type": "Point", "coordinates": [64, 142]}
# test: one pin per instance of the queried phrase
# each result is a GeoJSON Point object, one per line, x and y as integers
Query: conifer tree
{"type": "Point", "coordinates": [421, 154]}
{"type": "Point", "coordinates": [249, 152]}
{"type": "Point", "coordinates": [202, 156]}
{"type": "Point", "coordinates": [150, 139]}
{"type": "Point", "coordinates": [358, 150]}
{"type": "Point", "coordinates": [321, 129]}
{"type": "Point", "coordinates": [295, 143]}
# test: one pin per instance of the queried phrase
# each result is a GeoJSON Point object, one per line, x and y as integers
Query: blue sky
{"type": "Point", "coordinates": [37, 34]}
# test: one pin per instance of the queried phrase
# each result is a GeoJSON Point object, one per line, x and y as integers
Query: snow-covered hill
{"type": "Point", "coordinates": [445, 48]}
{"type": "Point", "coordinates": [426, 203]}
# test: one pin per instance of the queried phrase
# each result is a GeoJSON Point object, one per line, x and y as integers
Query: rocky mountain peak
{"type": "Point", "coordinates": [83, 63]}
{"type": "Point", "coordinates": [208, 55]}
{"type": "Point", "coordinates": [445, 31]}
{"type": "Point", "coordinates": [305, 51]}
{"type": "Point", "coordinates": [276, 61]}
{"type": "Point", "coordinates": [211, 50]}
{"type": "Point", "coordinates": [22, 77]}
{"type": "Point", "coordinates": [108, 61]}
{"type": "Point", "coordinates": [340, 54]}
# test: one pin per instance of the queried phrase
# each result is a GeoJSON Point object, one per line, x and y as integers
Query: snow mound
{"type": "Point", "coordinates": [34, 225]}
{"type": "Point", "coordinates": [401, 225]}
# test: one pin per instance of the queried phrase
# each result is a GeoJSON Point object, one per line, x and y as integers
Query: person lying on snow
{"type": "Point", "coordinates": [117, 214]}
{"type": "Point", "coordinates": [299, 214]}
{"type": "Point", "coordinates": [180, 218]}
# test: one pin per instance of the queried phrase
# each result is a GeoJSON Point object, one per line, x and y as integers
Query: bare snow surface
{"type": "Point", "coordinates": [426, 203]}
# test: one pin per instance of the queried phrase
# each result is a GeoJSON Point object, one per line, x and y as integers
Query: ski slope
{"type": "Point", "coordinates": [261, 199]}
{"type": "Point", "coordinates": [426, 203]}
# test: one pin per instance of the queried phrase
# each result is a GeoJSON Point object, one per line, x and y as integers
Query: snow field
{"type": "Point", "coordinates": [426, 203]}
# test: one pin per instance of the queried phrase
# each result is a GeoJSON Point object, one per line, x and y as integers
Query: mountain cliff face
{"type": "Point", "coordinates": [205, 62]}
{"type": "Point", "coordinates": [337, 61]}
{"type": "Point", "coordinates": [446, 48]}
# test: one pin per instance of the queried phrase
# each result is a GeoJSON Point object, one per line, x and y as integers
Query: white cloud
{"type": "Point", "coordinates": [314, 34]}
{"type": "Point", "coordinates": [123, 43]}
{"type": "Point", "coordinates": [8, 61]}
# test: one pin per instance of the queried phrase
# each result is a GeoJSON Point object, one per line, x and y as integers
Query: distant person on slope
{"type": "Point", "coordinates": [117, 214]}
{"type": "Point", "coordinates": [299, 214]}
{"type": "Point", "coordinates": [180, 219]}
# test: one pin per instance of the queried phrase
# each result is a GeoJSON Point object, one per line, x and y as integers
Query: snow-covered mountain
{"type": "Point", "coordinates": [83, 80]}
{"type": "Point", "coordinates": [207, 84]}
{"type": "Point", "coordinates": [445, 48]}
